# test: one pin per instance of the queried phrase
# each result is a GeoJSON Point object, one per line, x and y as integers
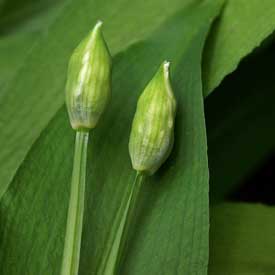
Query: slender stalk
{"type": "Point", "coordinates": [71, 254]}
{"type": "Point", "coordinates": [117, 250]}
{"type": "Point", "coordinates": [130, 217]}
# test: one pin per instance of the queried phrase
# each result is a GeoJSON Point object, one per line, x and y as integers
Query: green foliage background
{"type": "Point", "coordinates": [205, 40]}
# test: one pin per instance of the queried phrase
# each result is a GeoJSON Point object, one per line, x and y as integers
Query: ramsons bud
{"type": "Point", "coordinates": [88, 86]}
{"type": "Point", "coordinates": [152, 133]}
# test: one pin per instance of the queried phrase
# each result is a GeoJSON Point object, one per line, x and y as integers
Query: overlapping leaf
{"type": "Point", "coordinates": [171, 234]}
{"type": "Point", "coordinates": [33, 96]}
{"type": "Point", "coordinates": [224, 50]}
{"type": "Point", "coordinates": [241, 28]}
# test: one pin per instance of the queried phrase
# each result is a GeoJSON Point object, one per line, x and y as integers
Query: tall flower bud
{"type": "Point", "coordinates": [88, 86]}
{"type": "Point", "coordinates": [152, 133]}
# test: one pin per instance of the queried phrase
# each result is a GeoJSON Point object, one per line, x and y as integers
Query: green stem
{"type": "Point", "coordinates": [72, 245]}
{"type": "Point", "coordinates": [130, 217]}
{"type": "Point", "coordinates": [117, 250]}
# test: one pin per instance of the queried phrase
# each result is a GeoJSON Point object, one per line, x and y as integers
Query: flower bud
{"type": "Point", "coordinates": [152, 133]}
{"type": "Point", "coordinates": [88, 87]}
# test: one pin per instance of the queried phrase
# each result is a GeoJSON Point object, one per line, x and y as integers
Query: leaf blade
{"type": "Point", "coordinates": [187, 185]}
{"type": "Point", "coordinates": [235, 35]}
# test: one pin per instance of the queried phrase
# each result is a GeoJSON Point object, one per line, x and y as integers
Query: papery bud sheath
{"type": "Point", "coordinates": [152, 133]}
{"type": "Point", "coordinates": [88, 86]}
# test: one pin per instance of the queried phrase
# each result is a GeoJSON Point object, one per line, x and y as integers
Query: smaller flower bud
{"type": "Point", "coordinates": [88, 85]}
{"type": "Point", "coordinates": [152, 133]}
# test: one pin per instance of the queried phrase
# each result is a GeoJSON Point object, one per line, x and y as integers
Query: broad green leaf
{"type": "Point", "coordinates": [239, 116]}
{"type": "Point", "coordinates": [242, 239]}
{"type": "Point", "coordinates": [241, 28]}
{"type": "Point", "coordinates": [16, 45]}
{"type": "Point", "coordinates": [171, 232]}
{"type": "Point", "coordinates": [35, 93]}
{"type": "Point", "coordinates": [28, 15]}
{"type": "Point", "coordinates": [14, 50]}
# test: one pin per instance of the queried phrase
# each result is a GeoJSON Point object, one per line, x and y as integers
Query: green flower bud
{"type": "Point", "coordinates": [88, 86]}
{"type": "Point", "coordinates": [152, 133]}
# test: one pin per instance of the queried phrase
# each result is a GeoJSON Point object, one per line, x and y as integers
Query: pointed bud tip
{"type": "Point", "coordinates": [98, 25]}
{"type": "Point", "coordinates": [166, 65]}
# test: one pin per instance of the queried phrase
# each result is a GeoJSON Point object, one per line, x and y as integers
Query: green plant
{"type": "Point", "coordinates": [205, 41]}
